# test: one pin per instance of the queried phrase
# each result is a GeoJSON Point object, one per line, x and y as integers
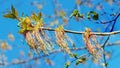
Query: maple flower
{"type": "Point", "coordinates": [59, 32]}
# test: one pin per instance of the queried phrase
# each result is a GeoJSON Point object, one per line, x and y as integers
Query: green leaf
{"type": "Point", "coordinates": [14, 12]}
{"type": "Point", "coordinates": [95, 15]}
{"type": "Point", "coordinates": [77, 62]}
{"type": "Point", "coordinates": [67, 64]}
{"type": "Point", "coordinates": [76, 13]}
{"type": "Point", "coordinates": [13, 9]}
{"type": "Point", "coordinates": [81, 16]}
{"type": "Point", "coordinates": [9, 16]}
{"type": "Point", "coordinates": [106, 64]}
{"type": "Point", "coordinates": [25, 25]}
{"type": "Point", "coordinates": [35, 17]}
{"type": "Point", "coordinates": [81, 60]}
{"type": "Point", "coordinates": [21, 31]}
{"type": "Point", "coordinates": [39, 15]}
{"type": "Point", "coordinates": [75, 55]}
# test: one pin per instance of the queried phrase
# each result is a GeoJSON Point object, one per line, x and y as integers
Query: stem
{"type": "Point", "coordinates": [78, 32]}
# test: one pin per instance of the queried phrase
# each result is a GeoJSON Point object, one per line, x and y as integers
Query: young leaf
{"type": "Point", "coordinates": [75, 12]}
{"type": "Point", "coordinates": [67, 64]}
{"type": "Point", "coordinates": [81, 60]}
{"type": "Point", "coordinates": [36, 17]}
{"type": "Point", "coordinates": [81, 16]}
{"type": "Point", "coordinates": [95, 15]}
{"type": "Point", "coordinates": [77, 62]}
{"type": "Point", "coordinates": [39, 24]}
{"type": "Point", "coordinates": [13, 9]}
{"type": "Point", "coordinates": [21, 31]}
{"type": "Point", "coordinates": [14, 12]}
{"type": "Point", "coordinates": [25, 25]}
{"type": "Point", "coordinates": [9, 16]}
{"type": "Point", "coordinates": [75, 55]}
{"type": "Point", "coordinates": [39, 15]}
{"type": "Point", "coordinates": [104, 64]}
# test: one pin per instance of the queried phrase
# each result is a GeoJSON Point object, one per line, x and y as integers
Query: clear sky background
{"type": "Point", "coordinates": [10, 26]}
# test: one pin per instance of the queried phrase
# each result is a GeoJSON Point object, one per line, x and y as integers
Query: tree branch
{"type": "Point", "coordinates": [78, 32]}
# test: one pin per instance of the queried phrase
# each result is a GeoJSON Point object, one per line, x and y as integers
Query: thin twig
{"type": "Point", "coordinates": [57, 51]}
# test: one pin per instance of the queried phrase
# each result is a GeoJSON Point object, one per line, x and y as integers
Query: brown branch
{"type": "Point", "coordinates": [78, 32]}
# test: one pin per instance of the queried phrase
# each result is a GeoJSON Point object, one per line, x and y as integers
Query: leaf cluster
{"type": "Point", "coordinates": [13, 14]}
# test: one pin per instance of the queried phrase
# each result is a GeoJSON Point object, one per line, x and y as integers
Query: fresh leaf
{"type": "Point", "coordinates": [106, 64]}
{"type": "Point", "coordinates": [77, 62]}
{"type": "Point", "coordinates": [39, 15]}
{"type": "Point", "coordinates": [67, 64]}
{"type": "Point", "coordinates": [76, 14]}
{"type": "Point", "coordinates": [36, 17]}
{"type": "Point", "coordinates": [21, 31]}
{"type": "Point", "coordinates": [75, 55]}
{"type": "Point", "coordinates": [9, 16]}
{"type": "Point", "coordinates": [13, 9]}
{"type": "Point", "coordinates": [14, 12]}
{"type": "Point", "coordinates": [25, 25]}
{"type": "Point", "coordinates": [81, 16]}
{"type": "Point", "coordinates": [95, 15]}
{"type": "Point", "coordinates": [81, 60]}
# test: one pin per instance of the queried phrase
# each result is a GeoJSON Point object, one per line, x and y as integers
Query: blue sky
{"type": "Point", "coordinates": [9, 25]}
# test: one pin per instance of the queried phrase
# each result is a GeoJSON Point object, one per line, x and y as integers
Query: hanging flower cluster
{"type": "Point", "coordinates": [30, 28]}
{"type": "Point", "coordinates": [60, 38]}
{"type": "Point", "coordinates": [37, 39]}
{"type": "Point", "coordinates": [94, 49]}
